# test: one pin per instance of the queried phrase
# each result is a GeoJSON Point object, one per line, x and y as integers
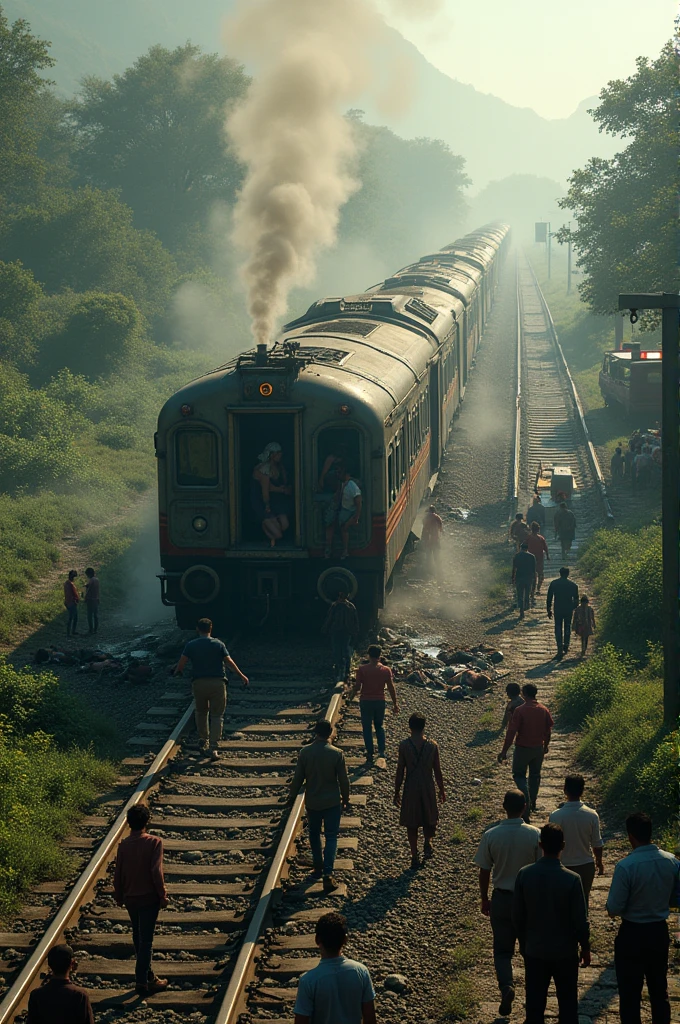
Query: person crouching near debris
{"type": "Point", "coordinates": [139, 886]}
{"type": "Point", "coordinates": [338, 989]}
{"type": "Point", "coordinates": [209, 660]}
{"type": "Point", "coordinates": [58, 1000]}
{"type": "Point", "coordinates": [419, 761]}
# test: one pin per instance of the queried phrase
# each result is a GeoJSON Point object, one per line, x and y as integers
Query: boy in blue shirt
{"type": "Point", "coordinates": [338, 991]}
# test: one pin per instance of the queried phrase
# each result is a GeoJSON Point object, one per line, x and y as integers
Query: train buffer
{"type": "Point", "coordinates": [558, 480]}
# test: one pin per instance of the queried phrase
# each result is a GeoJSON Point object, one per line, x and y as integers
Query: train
{"type": "Point", "coordinates": [630, 380]}
{"type": "Point", "coordinates": [378, 376]}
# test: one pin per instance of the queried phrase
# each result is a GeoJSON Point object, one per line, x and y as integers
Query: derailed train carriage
{"type": "Point", "coordinates": [378, 375]}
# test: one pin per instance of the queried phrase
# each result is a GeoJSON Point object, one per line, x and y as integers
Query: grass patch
{"type": "Point", "coordinates": [474, 814]}
{"type": "Point", "coordinates": [458, 835]}
{"type": "Point", "coordinates": [460, 999]}
{"type": "Point", "coordinates": [467, 955]}
{"type": "Point", "coordinates": [49, 772]}
{"type": "Point", "coordinates": [488, 719]}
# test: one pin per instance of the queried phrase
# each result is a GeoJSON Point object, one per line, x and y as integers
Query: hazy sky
{"type": "Point", "coordinates": [545, 54]}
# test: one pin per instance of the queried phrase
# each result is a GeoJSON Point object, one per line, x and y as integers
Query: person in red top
{"type": "Point", "coordinates": [530, 727]}
{"type": "Point", "coordinates": [370, 682]}
{"type": "Point", "coordinates": [537, 547]}
{"type": "Point", "coordinates": [431, 537]}
{"type": "Point", "coordinates": [138, 884]}
{"type": "Point", "coordinates": [58, 1000]}
{"type": "Point", "coordinates": [71, 599]}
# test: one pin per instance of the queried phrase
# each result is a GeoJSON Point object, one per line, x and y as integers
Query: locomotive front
{"type": "Point", "coordinates": [283, 414]}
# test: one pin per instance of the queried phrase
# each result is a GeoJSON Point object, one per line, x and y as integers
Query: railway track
{"type": "Point", "coordinates": [551, 428]}
{"type": "Point", "coordinates": [230, 836]}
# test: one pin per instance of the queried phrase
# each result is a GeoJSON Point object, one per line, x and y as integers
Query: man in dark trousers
{"type": "Point", "coordinates": [524, 576]}
{"type": "Point", "coordinates": [564, 522]}
{"type": "Point", "coordinates": [370, 683]}
{"type": "Point", "coordinates": [59, 1001]}
{"type": "Point", "coordinates": [321, 769]}
{"type": "Point", "coordinates": [342, 623]}
{"type": "Point", "coordinates": [504, 849]}
{"type": "Point", "coordinates": [92, 600]}
{"type": "Point", "coordinates": [139, 886]}
{"type": "Point", "coordinates": [643, 887]}
{"type": "Point", "coordinates": [530, 728]}
{"type": "Point", "coordinates": [209, 660]}
{"type": "Point", "coordinates": [550, 918]}
{"type": "Point", "coordinates": [564, 593]}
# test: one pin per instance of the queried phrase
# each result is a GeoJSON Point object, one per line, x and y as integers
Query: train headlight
{"type": "Point", "coordinates": [266, 389]}
{"type": "Point", "coordinates": [200, 524]}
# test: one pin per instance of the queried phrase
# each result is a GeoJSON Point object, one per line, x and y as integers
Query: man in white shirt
{"type": "Point", "coordinates": [504, 849]}
{"type": "Point", "coordinates": [582, 839]}
{"type": "Point", "coordinates": [643, 888]}
{"type": "Point", "coordinates": [348, 513]}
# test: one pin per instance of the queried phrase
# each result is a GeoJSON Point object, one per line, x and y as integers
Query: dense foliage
{"type": "Point", "coordinates": [626, 207]}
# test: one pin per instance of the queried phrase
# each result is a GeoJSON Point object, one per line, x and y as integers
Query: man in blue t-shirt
{"type": "Point", "coordinates": [209, 659]}
{"type": "Point", "coordinates": [338, 991]}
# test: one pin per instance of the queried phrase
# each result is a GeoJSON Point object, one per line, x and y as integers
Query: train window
{"type": "Point", "coordinates": [391, 493]}
{"type": "Point", "coordinates": [196, 458]}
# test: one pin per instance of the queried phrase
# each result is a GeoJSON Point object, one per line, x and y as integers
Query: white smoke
{"type": "Point", "coordinates": [311, 61]}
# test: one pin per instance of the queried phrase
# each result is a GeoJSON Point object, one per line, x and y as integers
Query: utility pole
{"type": "Point", "coordinates": [669, 304]}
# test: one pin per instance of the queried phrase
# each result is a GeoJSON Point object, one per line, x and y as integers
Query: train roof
{"type": "Point", "coordinates": [641, 357]}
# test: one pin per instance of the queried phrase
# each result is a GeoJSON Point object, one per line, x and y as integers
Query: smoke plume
{"type": "Point", "coordinates": [310, 61]}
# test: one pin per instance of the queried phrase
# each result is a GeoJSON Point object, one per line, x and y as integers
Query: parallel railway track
{"type": "Point", "coordinates": [229, 835]}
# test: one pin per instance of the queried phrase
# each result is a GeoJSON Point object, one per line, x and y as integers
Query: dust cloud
{"type": "Point", "coordinates": [143, 606]}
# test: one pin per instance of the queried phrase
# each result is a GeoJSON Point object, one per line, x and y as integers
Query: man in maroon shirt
{"type": "Point", "coordinates": [530, 727]}
{"type": "Point", "coordinates": [370, 683]}
{"type": "Point", "coordinates": [138, 884]}
{"type": "Point", "coordinates": [59, 1001]}
{"type": "Point", "coordinates": [71, 599]}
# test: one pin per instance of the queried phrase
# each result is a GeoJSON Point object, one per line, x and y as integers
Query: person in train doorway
{"type": "Point", "coordinates": [209, 660]}
{"type": "Point", "coordinates": [563, 592]}
{"type": "Point", "coordinates": [348, 514]}
{"type": "Point", "coordinates": [565, 527]}
{"type": "Point", "coordinates": [524, 577]}
{"type": "Point", "coordinates": [519, 531]}
{"type": "Point", "coordinates": [431, 538]}
{"type": "Point", "coordinates": [342, 624]}
{"type": "Point", "coordinates": [322, 770]}
{"type": "Point", "coordinates": [331, 477]}
{"type": "Point", "coordinates": [536, 512]}
{"type": "Point", "coordinates": [537, 547]}
{"type": "Point", "coordinates": [270, 493]}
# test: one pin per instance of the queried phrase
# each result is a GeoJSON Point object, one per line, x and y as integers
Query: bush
{"type": "Point", "coordinates": [592, 687]}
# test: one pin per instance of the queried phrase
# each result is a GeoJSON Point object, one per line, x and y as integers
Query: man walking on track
{"type": "Point", "coordinates": [505, 849]}
{"type": "Point", "coordinates": [342, 622]}
{"type": "Point", "coordinates": [643, 888]}
{"type": "Point", "coordinates": [530, 727]}
{"type": "Point", "coordinates": [582, 839]}
{"type": "Point", "coordinates": [338, 990]}
{"type": "Point", "coordinates": [536, 545]}
{"type": "Point", "coordinates": [321, 769]}
{"type": "Point", "coordinates": [138, 884]}
{"type": "Point", "coordinates": [549, 915]}
{"type": "Point", "coordinates": [565, 527]}
{"type": "Point", "coordinates": [370, 683]}
{"type": "Point", "coordinates": [524, 577]}
{"type": "Point", "coordinates": [564, 593]}
{"type": "Point", "coordinates": [59, 1000]}
{"type": "Point", "coordinates": [209, 659]}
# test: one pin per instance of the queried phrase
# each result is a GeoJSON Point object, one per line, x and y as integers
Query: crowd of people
{"type": "Point", "coordinates": [638, 461]}
{"type": "Point", "coordinates": [534, 884]}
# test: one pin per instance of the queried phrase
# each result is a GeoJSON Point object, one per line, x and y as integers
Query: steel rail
{"type": "Point", "coordinates": [231, 1004]}
{"type": "Point", "coordinates": [518, 395]}
{"type": "Point", "coordinates": [31, 970]}
{"type": "Point", "coordinates": [592, 455]}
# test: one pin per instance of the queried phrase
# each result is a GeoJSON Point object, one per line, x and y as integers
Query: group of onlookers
{"type": "Point", "coordinates": [639, 461]}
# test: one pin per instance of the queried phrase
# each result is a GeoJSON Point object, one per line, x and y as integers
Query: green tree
{"type": "Point", "coordinates": [20, 295]}
{"type": "Point", "coordinates": [22, 57]}
{"type": "Point", "coordinates": [85, 240]}
{"type": "Point", "coordinates": [626, 234]}
{"type": "Point", "coordinates": [156, 133]}
{"type": "Point", "coordinates": [101, 334]}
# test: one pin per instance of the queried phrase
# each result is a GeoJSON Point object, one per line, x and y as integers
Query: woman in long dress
{"type": "Point", "coordinates": [583, 623]}
{"type": "Point", "coordinates": [419, 761]}
{"type": "Point", "coordinates": [270, 492]}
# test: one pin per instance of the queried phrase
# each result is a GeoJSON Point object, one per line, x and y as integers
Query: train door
{"type": "Point", "coordinates": [249, 435]}
{"type": "Point", "coordinates": [465, 340]}
{"type": "Point", "coordinates": [435, 416]}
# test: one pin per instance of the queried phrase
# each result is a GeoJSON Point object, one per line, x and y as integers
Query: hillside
{"type": "Point", "coordinates": [102, 37]}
